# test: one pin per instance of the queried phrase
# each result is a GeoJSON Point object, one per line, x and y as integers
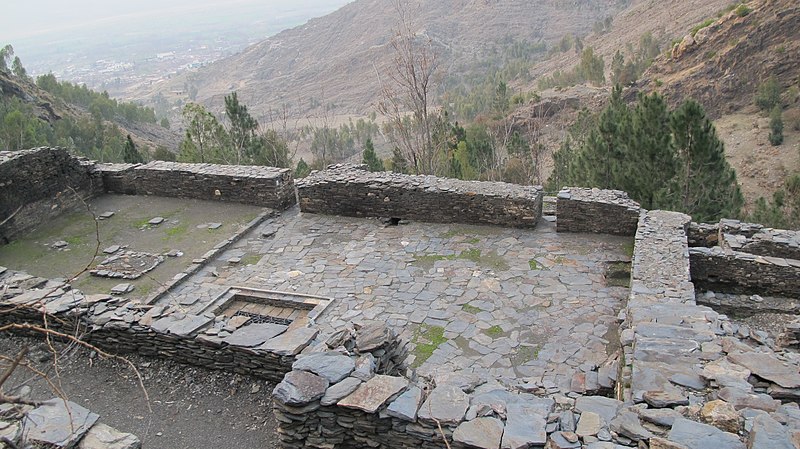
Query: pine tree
{"type": "Point", "coordinates": [705, 185]}
{"type": "Point", "coordinates": [776, 126]}
{"type": "Point", "coordinates": [370, 159]}
{"type": "Point", "coordinates": [599, 161]}
{"type": "Point", "coordinates": [649, 160]}
{"type": "Point", "coordinates": [130, 154]}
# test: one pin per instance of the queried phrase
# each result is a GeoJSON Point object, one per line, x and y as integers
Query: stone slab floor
{"type": "Point", "coordinates": [507, 303]}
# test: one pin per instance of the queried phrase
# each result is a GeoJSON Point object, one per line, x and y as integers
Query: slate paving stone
{"type": "Point", "coordinates": [768, 367]}
{"type": "Point", "coordinates": [695, 435]}
{"type": "Point", "coordinates": [768, 434]}
{"type": "Point", "coordinates": [330, 365]}
{"type": "Point", "coordinates": [338, 391]}
{"type": "Point", "coordinates": [446, 403]}
{"type": "Point", "coordinates": [482, 433]}
{"type": "Point", "coordinates": [299, 388]}
{"type": "Point", "coordinates": [371, 395]}
{"type": "Point", "coordinates": [57, 424]}
{"type": "Point", "coordinates": [406, 405]}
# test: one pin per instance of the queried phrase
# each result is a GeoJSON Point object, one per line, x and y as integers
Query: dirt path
{"type": "Point", "coordinates": [191, 407]}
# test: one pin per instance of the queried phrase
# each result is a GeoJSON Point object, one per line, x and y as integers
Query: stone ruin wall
{"type": "Point", "coordinates": [39, 184]}
{"type": "Point", "coordinates": [259, 186]}
{"type": "Point", "coordinates": [596, 211]}
{"type": "Point", "coordinates": [675, 352]}
{"type": "Point", "coordinates": [351, 191]}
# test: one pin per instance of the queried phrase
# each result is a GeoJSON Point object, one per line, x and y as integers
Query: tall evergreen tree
{"type": "Point", "coordinates": [649, 161]}
{"type": "Point", "coordinates": [302, 170]}
{"type": "Point", "coordinates": [241, 130]}
{"type": "Point", "coordinates": [370, 159]}
{"type": "Point", "coordinates": [130, 154]}
{"type": "Point", "coordinates": [705, 185]}
{"type": "Point", "coordinates": [599, 162]}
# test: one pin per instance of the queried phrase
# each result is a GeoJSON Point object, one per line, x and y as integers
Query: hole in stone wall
{"type": "Point", "coordinates": [618, 274]}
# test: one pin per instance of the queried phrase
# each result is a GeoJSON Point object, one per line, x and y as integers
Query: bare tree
{"type": "Point", "coordinates": [406, 93]}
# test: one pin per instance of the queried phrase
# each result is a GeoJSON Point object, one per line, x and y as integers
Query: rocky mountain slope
{"type": "Point", "coordinates": [335, 61]}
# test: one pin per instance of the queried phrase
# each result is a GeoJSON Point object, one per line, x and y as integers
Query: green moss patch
{"type": "Point", "coordinates": [494, 331]}
{"type": "Point", "coordinates": [471, 309]}
{"type": "Point", "coordinates": [427, 339]}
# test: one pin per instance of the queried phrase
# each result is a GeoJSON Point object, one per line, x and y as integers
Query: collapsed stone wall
{"type": "Point", "coordinates": [597, 211]}
{"type": "Point", "coordinates": [39, 184]}
{"type": "Point", "coordinates": [350, 191]}
{"type": "Point", "coordinates": [256, 185]}
{"type": "Point", "coordinates": [756, 239]}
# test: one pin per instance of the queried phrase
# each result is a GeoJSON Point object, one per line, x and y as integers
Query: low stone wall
{"type": "Point", "coordinates": [737, 272]}
{"type": "Point", "coordinates": [39, 184]}
{"type": "Point", "coordinates": [260, 350]}
{"type": "Point", "coordinates": [260, 186]}
{"type": "Point", "coordinates": [597, 211]}
{"type": "Point", "coordinates": [350, 191]}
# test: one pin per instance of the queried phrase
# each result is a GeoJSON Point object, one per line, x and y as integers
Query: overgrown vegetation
{"type": "Point", "coordinates": [624, 71]}
{"type": "Point", "coordinates": [237, 141]}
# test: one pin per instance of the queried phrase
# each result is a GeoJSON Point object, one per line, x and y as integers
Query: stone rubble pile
{"type": "Point", "coordinates": [127, 265]}
{"type": "Point", "coordinates": [597, 211]}
{"type": "Point", "coordinates": [350, 191]}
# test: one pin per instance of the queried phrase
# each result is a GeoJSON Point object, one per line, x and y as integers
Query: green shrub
{"type": "Point", "coordinates": [699, 27]}
{"type": "Point", "coordinates": [776, 126]}
{"type": "Point", "coordinates": [768, 94]}
{"type": "Point", "coordinates": [742, 10]}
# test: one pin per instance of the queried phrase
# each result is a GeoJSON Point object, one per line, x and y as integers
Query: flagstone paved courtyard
{"type": "Point", "coordinates": [510, 303]}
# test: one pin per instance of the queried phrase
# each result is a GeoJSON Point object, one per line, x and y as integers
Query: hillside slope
{"type": "Point", "coordinates": [50, 109]}
{"type": "Point", "coordinates": [333, 61]}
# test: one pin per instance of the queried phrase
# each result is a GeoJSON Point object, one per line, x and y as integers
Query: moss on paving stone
{"type": "Point", "coordinates": [471, 309]}
{"type": "Point", "coordinates": [525, 354]}
{"type": "Point", "coordinates": [175, 231]}
{"type": "Point", "coordinates": [251, 259]}
{"type": "Point", "coordinates": [494, 331]}
{"type": "Point", "coordinates": [427, 338]}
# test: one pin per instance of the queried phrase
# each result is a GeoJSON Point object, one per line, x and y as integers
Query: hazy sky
{"type": "Point", "coordinates": [24, 19]}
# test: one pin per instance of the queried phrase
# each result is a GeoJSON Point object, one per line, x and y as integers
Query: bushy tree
{"type": "Point", "coordinates": [163, 154]}
{"type": "Point", "coordinates": [205, 139]}
{"type": "Point", "coordinates": [776, 126]}
{"type": "Point", "coordinates": [370, 159]}
{"type": "Point", "coordinates": [768, 94]}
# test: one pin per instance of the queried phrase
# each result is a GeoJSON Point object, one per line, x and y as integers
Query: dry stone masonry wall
{"type": "Point", "coordinates": [597, 211]}
{"type": "Point", "coordinates": [260, 186]}
{"type": "Point", "coordinates": [350, 191]}
{"type": "Point", "coordinates": [738, 272]}
{"type": "Point", "coordinates": [39, 184]}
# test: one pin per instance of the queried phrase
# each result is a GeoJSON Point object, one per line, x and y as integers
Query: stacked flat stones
{"type": "Point", "coordinates": [257, 185]}
{"type": "Point", "coordinates": [597, 211]}
{"type": "Point", "coordinates": [350, 191]}
{"type": "Point", "coordinates": [718, 269]}
{"type": "Point", "coordinates": [37, 185]}
{"type": "Point", "coordinates": [755, 239]}
{"type": "Point", "coordinates": [117, 325]}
